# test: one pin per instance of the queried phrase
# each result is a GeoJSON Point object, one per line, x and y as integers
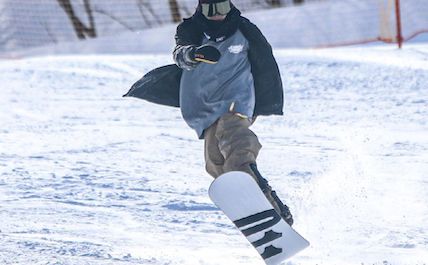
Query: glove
{"type": "Point", "coordinates": [206, 54]}
{"type": "Point", "coordinates": [183, 57]}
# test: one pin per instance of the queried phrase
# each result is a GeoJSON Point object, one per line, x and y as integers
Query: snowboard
{"type": "Point", "coordinates": [238, 195]}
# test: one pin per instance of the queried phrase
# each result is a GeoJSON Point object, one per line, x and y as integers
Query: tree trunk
{"type": "Point", "coordinates": [297, 2]}
{"type": "Point", "coordinates": [275, 3]}
{"type": "Point", "coordinates": [175, 11]}
{"type": "Point", "coordinates": [81, 30]}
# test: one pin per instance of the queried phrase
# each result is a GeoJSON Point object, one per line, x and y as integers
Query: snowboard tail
{"type": "Point", "coordinates": [238, 195]}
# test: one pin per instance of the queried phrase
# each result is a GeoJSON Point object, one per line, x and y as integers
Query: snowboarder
{"type": "Point", "coordinates": [227, 76]}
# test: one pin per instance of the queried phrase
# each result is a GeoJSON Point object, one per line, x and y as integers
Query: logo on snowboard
{"type": "Point", "coordinates": [252, 224]}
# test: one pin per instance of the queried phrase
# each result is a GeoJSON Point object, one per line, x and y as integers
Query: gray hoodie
{"type": "Point", "coordinates": [208, 91]}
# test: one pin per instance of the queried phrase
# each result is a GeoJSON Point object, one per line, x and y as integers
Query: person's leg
{"type": "Point", "coordinates": [214, 160]}
{"type": "Point", "coordinates": [237, 143]}
{"type": "Point", "coordinates": [240, 148]}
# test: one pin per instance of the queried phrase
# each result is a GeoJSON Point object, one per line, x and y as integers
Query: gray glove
{"type": "Point", "coordinates": [183, 57]}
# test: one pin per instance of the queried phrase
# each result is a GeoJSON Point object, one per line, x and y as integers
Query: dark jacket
{"type": "Point", "coordinates": [162, 85]}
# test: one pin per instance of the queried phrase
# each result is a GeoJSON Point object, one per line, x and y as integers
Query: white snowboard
{"type": "Point", "coordinates": [238, 195]}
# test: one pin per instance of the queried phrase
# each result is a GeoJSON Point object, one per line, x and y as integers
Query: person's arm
{"type": "Point", "coordinates": [187, 55]}
{"type": "Point", "coordinates": [184, 49]}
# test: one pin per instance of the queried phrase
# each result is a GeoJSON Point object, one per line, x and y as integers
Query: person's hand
{"type": "Point", "coordinates": [206, 54]}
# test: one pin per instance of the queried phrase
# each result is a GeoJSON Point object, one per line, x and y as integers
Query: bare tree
{"type": "Point", "coordinates": [117, 19]}
{"type": "Point", "coordinates": [81, 30]}
{"type": "Point", "coordinates": [297, 2]}
{"type": "Point", "coordinates": [143, 6]}
{"type": "Point", "coordinates": [274, 3]}
{"type": "Point", "coordinates": [175, 11]}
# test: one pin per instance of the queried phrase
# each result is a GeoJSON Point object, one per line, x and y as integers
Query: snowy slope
{"type": "Point", "coordinates": [87, 177]}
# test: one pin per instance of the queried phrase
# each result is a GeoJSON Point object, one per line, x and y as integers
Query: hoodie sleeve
{"type": "Point", "coordinates": [185, 46]}
{"type": "Point", "coordinates": [267, 77]}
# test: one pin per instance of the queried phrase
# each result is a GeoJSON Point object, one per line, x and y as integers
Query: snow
{"type": "Point", "coordinates": [89, 177]}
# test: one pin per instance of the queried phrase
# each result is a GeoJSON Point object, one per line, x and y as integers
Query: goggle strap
{"type": "Point", "coordinates": [211, 10]}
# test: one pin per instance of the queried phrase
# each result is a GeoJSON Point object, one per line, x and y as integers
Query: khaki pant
{"type": "Point", "coordinates": [230, 146]}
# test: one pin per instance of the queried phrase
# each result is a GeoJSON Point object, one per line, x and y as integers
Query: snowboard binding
{"type": "Point", "coordinates": [281, 208]}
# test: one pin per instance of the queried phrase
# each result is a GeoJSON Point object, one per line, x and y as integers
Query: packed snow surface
{"type": "Point", "coordinates": [89, 177]}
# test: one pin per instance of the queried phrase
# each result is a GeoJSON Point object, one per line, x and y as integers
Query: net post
{"type": "Point", "coordinates": [398, 20]}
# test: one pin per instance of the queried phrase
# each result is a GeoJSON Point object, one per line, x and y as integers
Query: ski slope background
{"type": "Point", "coordinates": [87, 177]}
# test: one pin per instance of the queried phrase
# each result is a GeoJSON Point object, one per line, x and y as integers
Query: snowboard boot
{"type": "Point", "coordinates": [273, 198]}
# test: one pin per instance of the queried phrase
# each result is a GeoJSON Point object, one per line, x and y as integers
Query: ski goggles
{"type": "Point", "coordinates": [220, 8]}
